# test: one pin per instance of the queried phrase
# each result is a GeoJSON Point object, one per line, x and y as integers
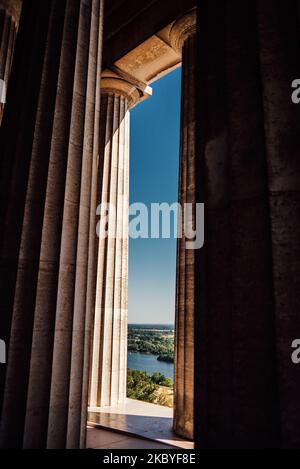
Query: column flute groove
{"type": "Point", "coordinates": [45, 398]}
{"type": "Point", "coordinates": [182, 38]}
{"type": "Point", "coordinates": [9, 19]}
{"type": "Point", "coordinates": [108, 380]}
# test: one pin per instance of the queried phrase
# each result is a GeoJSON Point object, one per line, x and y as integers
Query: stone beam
{"type": "Point", "coordinates": [129, 23]}
{"type": "Point", "coordinates": [152, 59]}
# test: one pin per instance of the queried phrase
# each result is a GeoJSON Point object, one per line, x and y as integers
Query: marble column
{"type": "Point", "coordinates": [183, 40]}
{"type": "Point", "coordinates": [109, 360]}
{"type": "Point", "coordinates": [9, 18]}
{"type": "Point", "coordinates": [248, 274]}
{"type": "Point", "coordinates": [48, 175]}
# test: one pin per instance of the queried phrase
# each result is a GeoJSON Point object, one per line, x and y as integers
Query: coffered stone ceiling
{"type": "Point", "coordinates": [145, 64]}
{"type": "Point", "coordinates": [148, 62]}
{"type": "Point", "coordinates": [130, 23]}
{"type": "Point", "coordinates": [151, 60]}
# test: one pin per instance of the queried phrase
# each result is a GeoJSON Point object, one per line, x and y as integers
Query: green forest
{"type": "Point", "coordinates": [159, 342]}
{"type": "Point", "coordinates": [156, 388]}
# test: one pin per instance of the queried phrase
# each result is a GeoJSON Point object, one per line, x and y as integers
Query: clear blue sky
{"type": "Point", "coordinates": [155, 138]}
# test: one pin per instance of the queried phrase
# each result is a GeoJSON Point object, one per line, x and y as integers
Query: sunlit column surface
{"type": "Point", "coordinates": [47, 211]}
{"type": "Point", "coordinates": [9, 19]}
{"type": "Point", "coordinates": [109, 360]}
{"type": "Point", "coordinates": [183, 39]}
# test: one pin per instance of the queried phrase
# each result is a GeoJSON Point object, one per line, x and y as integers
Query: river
{"type": "Point", "coordinates": [150, 364]}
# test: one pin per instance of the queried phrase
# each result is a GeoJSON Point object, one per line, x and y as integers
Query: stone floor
{"type": "Point", "coordinates": [134, 419]}
{"type": "Point", "coordinates": [109, 439]}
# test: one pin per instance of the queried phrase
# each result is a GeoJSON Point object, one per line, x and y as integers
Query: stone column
{"type": "Point", "coordinates": [109, 360]}
{"type": "Point", "coordinates": [248, 287]}
{"type": "Point", "coordinates": [49, 158]}
{"type": "Point", "coordinates": [9, 19]}
{"type": "Point", "coordinates": [182, 38]}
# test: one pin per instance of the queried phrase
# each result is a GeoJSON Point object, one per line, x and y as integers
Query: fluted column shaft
{"type": "Point", "coordinates": [47, 207]}
{"type": "Point", "coordinates": [9, 18]}
{"type": "Point", "coordinates": [109, 362]}
{"type": "Point", "coordinates": [248, 166]}
{"type": "Point", "coordinates": [183, 36]}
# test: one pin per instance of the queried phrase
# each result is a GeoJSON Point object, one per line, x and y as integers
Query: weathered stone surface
{"type": "Point", "coordinates": [9, 18]}
{"type": "Point", "coordinates": [129, 23]}
{"type": "Point", "coordinates": [49, 149]}
{"type": "Point", "coordinates": [183, 35]}
{"type": "Point", "coordinates": [247, 299]}
{"type": "Point", "coordinates": [108, 386]}
{"type": "Point", "coordinates": [150, 60]}
{"type": "Point", "coordinates": [237, 300]}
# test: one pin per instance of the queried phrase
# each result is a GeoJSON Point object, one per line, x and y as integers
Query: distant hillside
{"type": "Point", "coordinates": [152, 327]}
